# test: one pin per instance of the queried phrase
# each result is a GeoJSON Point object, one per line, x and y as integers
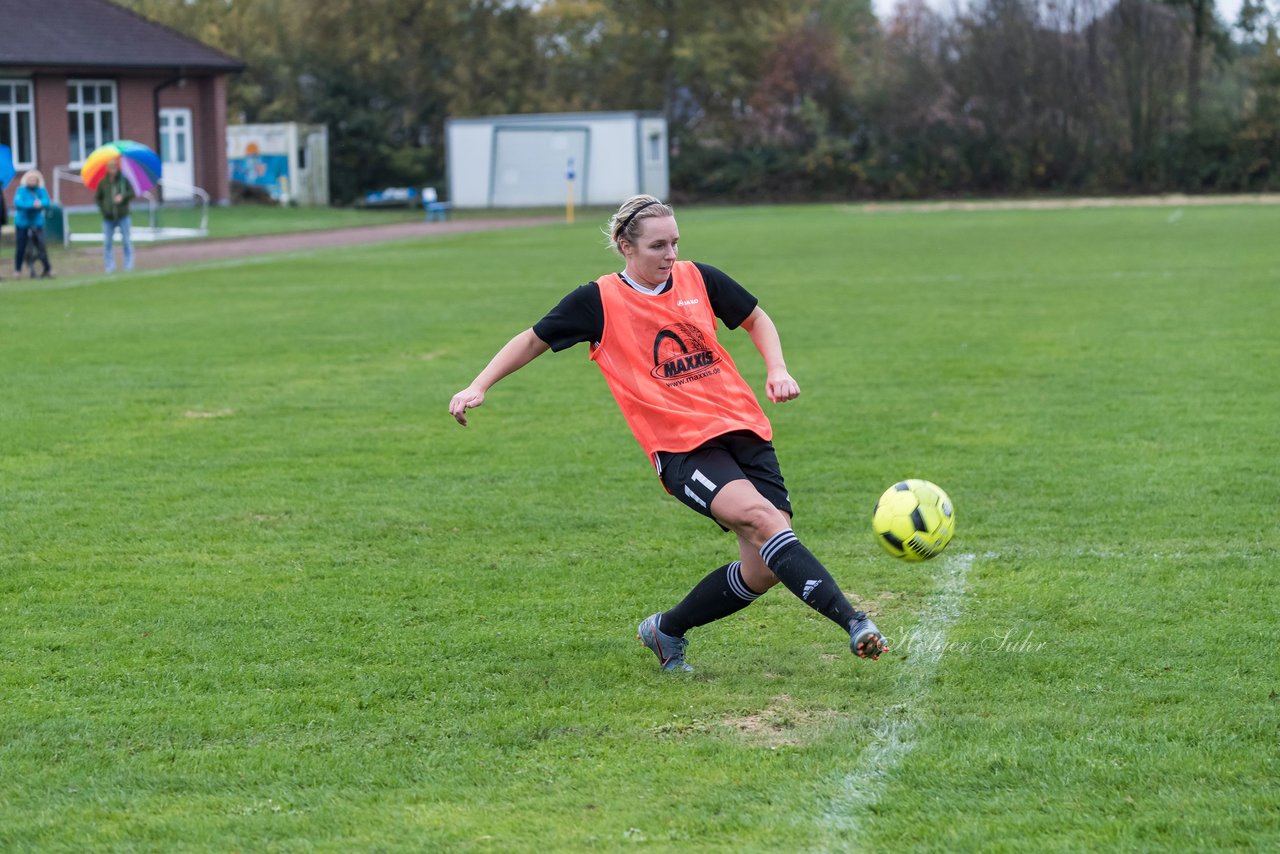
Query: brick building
{"type": "Point", "coordinates": [75, 74]}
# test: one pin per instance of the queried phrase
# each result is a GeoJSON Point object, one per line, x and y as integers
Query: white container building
{"type": "Point", "coordinates": [544, 159]}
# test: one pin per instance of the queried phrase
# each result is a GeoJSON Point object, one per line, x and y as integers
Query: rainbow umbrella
{"type": "Point", "coordinates": [139, 165]}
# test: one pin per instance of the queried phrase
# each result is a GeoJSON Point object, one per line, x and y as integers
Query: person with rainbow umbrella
{"type": "Point", "coordinates": [117, 172]}
{"type": "Point", "coordinates": [113, 196]}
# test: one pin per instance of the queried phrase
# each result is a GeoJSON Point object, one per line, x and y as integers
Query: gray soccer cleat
{"type": "Point", "coordinates": [865, 639]}
{"type": "Point", "coordinates": [669, 649]}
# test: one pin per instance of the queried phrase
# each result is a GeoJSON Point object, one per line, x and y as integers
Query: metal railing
{"type": "Point", "coordinates": [153, 199]}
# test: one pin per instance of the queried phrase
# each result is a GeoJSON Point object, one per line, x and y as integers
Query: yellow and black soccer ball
{"type": "Point", "coordinates": [914, 520]}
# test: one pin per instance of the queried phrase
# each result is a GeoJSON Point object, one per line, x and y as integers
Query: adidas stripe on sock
{"type": "Point", "coordinates": [733, 575]}
{"type": "Point", "coordinates": [721, 593]}
{"type": "Point", "coordinates": [806, 577]}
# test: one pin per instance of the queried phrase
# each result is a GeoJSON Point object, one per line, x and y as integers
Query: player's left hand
{"type": "Point", "coordinates": [781, 387]}
{"type": "Point", "coordinates": [469, 398]}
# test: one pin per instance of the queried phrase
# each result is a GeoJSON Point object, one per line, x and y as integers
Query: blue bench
{"type": "Point", "coordinates": [392, 197]}
{"type": "Point", "coordinates": [436, 210]}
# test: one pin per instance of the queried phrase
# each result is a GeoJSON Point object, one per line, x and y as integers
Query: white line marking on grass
{"type": "Point", "coordinates": [894, 737]}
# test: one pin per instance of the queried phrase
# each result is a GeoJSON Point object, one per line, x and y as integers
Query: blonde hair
{"type": "Point", "coordinates": [625, 224]}
{"type": "Point", "coordinates": [28, 176]}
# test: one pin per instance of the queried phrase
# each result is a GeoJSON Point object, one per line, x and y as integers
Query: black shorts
{"type": "Point", "coordinates": [696, 476]}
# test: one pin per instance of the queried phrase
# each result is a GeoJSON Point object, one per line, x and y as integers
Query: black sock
{"type": "Point", "coordinates": [721, 593]}
{"type": "Point", "coordinates": [805, 576]}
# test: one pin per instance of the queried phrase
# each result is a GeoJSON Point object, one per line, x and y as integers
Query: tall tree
{"type": "Point", "coordinates": [1208, 41]}
{"type": "Point", "coordinates": [1022, 75]}
{"type": "Point", "coordinates": [916, 119]}
{"type": "Point", "coordinates": [1144, 49]}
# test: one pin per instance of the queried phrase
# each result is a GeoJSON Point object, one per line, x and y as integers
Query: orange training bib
{"type": "Point", "coordinates": [676, 386]}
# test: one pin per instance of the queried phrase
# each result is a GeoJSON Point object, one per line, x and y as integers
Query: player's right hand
{"type": "Point", "coordinates": [468, 398]}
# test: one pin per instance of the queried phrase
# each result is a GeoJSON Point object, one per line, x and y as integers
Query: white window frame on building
{"type": "Point", "coordinates": [18, 102]}
{"type": "Point", "coordinates": [92, 116]}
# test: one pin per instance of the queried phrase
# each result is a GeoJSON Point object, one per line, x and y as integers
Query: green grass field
{"type": "Point", "coordinates": [258, 592]}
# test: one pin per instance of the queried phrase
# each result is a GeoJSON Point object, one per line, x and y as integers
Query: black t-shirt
{"type": "Point", "coordinates": [580, 315]}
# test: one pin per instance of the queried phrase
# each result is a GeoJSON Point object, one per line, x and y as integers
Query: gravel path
{"type": "Point", "coordinates": [87, 259]}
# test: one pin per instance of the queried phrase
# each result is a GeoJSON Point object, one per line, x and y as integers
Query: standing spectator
{"type": "Point", "coordinates": [113, 196]}
{"type": "Point", "coordinates": [30, 202]}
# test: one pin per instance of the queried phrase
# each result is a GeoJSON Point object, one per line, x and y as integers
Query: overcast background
{"type": "Point", "coordinates": [1227, 9]}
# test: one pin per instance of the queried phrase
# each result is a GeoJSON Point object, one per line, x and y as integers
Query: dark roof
{"type": "Point", "coordinates": [84, 34]}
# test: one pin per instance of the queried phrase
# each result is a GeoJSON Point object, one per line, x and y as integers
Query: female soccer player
{"type": "Point", "coordinates": [651, 330]}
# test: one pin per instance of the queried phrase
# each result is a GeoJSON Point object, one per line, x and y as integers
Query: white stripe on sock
{"type": "Point", "coordinates": [737, 585]}
{"type": "Point", "coordinates": [783, 538]}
